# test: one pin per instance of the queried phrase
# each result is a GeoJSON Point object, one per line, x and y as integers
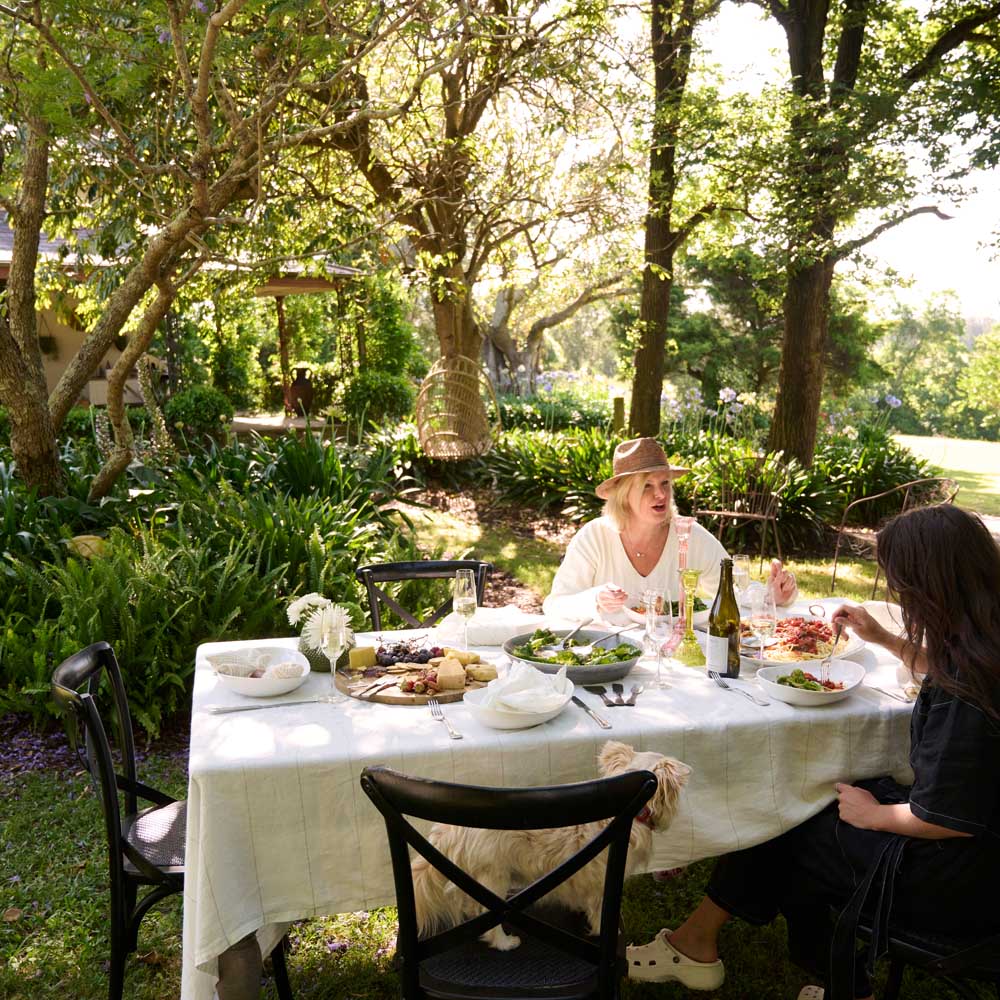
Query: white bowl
{"type": "Point", "coordinates": [260, 687]}
{"type": "Point", "coordinates": [495, 718]}
{"type": "Point", "coordinates": [848, 672]}
{"type": "Point", "coordinates": [698, 618]}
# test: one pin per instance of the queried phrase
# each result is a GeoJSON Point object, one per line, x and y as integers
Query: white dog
{"type": "Point", "coordinates": [503, 860]}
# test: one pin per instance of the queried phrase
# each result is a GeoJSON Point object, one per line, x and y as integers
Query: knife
{"type": "Point", "coordinates": [601, 722]}
{"type": "Point", "coordinates": [226, 709]}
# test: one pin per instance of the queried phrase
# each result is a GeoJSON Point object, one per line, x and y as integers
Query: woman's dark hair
{"type": "Point", "coordinates": [943, 567]}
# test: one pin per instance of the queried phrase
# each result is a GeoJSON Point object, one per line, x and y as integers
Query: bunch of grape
{"type": "Point", "coordinates": [405, 652]}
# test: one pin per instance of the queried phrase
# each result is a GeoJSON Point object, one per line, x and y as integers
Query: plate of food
{"type": "Point", "coordinates": [797, 639]}
{"type": "Point", "coordinates": [610, 659]}
{"type": "Point", "coordinates": [801, 685]}
{"type": "Point", "coordinates": [635, 608]}
{"type": "Point", "coordinates": [260, 673]}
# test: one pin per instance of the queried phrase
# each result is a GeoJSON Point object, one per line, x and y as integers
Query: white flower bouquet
{"type": "Point", "coordinates": [319, 617]}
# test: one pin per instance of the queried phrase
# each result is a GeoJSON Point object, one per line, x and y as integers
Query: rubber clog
{"type": "Point", "coordinates": [811, 993]}
{"type": "Point", "coordinates": [660, 962]}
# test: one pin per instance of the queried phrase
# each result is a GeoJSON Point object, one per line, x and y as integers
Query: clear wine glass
{"type": "Point", "coordinates": [333, 639]}
{"type": "Point", "coordinates": [663, 629]}
{"type": "Point", "coordinates": [763, 615]}
{"type": "Point", "coordinates": [464, 600]}
{"type": "Point", "coordinates": [741, 577]}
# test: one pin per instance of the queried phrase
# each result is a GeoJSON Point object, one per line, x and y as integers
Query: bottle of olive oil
{"type": "Point", "coordinates": [723, 649]}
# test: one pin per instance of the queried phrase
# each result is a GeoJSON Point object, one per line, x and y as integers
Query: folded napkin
{"type": "Point", "coordinates": [489, 626]}
{"type": "Point", "coordinates": [525, 689]}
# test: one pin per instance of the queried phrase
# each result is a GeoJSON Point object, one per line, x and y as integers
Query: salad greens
{"type": "Point", "coordinates": [546, 637]}
{"type": "Point", "coordinates": [676, 607]}
{"type": "Point", "coordinates": [800, 679]}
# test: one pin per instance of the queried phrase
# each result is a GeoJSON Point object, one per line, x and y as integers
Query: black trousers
{"type": "Point", "coordinates": [942, 885]}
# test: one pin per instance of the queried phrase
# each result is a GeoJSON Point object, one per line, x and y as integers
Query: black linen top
{"type": "Point", "coordinates": [955, 756]}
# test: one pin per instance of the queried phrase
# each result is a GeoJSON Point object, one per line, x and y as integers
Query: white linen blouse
{"type": "Point", "coordinates": [596, 556]}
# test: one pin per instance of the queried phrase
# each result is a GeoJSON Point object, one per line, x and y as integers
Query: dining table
{"type": "Point", "coordinates": [279, 829]}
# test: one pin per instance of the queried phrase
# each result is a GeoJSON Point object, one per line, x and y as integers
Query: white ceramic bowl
{"type": "Point", "coordinates": [494, 718]}
{"type": "Point", "coordinates": [261, 687]}
{"type": "Point", "coordinates": [849, 673]}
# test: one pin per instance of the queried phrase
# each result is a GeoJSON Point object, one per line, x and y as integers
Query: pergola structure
{"type": "Point", "coordinates": [293, 282]}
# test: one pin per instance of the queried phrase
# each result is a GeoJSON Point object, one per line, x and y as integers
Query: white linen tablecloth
{"type": "Point", "coordinates": [279, 828]}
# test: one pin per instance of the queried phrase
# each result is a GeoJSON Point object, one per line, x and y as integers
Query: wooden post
{"type": "Point", "coordinates": [279, 301]}
{"type": "Point", "coordinates": [618, 413]}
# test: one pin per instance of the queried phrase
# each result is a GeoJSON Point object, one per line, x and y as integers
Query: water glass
{"type": "Point", "coordinates": [741, 577]}
{"type": "Point", "coordinates": [763, 614]}
{"type": "Point", "coordinates": [464, 600]}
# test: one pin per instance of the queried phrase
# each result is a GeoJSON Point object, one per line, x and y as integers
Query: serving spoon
{"type": "Point", "coordinates": [587, 648]}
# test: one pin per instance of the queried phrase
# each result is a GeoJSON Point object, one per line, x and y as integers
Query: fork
{"type": "Point", "coordinates": [717, 677]}
{"type": "Point", "coordinates": [824, 667]}
{"type": "Point", "coordinates": [438, 713]}
{"type": "Point", "coordinates": [601, 691]}
{"type": "Point", "coordinates": [619, 690]}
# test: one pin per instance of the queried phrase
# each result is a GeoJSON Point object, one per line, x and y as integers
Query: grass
{"type": "Point", "coordinates": [974, 465]}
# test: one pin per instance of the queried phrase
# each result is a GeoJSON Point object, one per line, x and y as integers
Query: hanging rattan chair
{"type": "Point", "coordinates": [452, 413]}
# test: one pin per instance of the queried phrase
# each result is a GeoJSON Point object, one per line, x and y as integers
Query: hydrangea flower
{"type": "Point", "coordinates": [727, 395]}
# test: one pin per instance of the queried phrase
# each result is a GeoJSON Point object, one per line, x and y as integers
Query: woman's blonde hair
{"type": "Point", "coordinates": [616, 507]}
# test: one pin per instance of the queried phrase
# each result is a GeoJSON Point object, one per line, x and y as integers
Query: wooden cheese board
{"type": "Point", "coordinates": [356, 685]}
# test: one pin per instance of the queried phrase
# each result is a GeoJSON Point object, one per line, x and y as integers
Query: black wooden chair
{"type": "Point", "coordinates": [145, 846]}
{"type": "Point", "coordinates": [554, 960]}
{"type": "Point", "coordinates": [429, 569]}
{"type": "Point", "coordinates": [898, 500]}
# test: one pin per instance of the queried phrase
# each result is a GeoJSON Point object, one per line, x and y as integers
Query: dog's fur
{"type": "Point", "coordinates": [504, 860]}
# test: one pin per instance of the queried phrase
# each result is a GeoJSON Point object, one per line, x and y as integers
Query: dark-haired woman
{"type": "Point", "coordinates": [934, 847]}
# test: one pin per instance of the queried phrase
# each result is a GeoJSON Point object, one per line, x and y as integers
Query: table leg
{"type": "Point", "coordinates": [241, 969]}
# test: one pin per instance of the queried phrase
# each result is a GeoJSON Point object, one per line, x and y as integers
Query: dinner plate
{"type": "Point", "coordinates": [699, 617]}
{"type": "Point", "coordinates": [497, 718]}
{"type": "Point", "coordinates": [854, 645]}
{"type": "Point", "coordinates": [598, 674]}
{"type": "Point", "coordinates": [849, 673]}
{"type": "Point", "coordinates": [259, 687]}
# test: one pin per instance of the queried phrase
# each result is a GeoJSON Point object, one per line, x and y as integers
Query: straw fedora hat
{"type": "Point", "coordinates": [635, 456]}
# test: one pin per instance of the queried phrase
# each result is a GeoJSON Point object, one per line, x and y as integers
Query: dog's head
{"type": "Point", "coordinates": [615, 758]}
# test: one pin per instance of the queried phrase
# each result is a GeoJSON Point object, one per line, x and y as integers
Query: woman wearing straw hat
{"type": "Point", "coordinates": [631, 547]}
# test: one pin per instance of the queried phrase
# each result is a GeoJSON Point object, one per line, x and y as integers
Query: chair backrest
{"type": "Point", "coordinates": [428, 569]}
{"type": "Point", "coordinates": [616, 799]}
{"type": "Point", "coordinates": [77, 687]}
{"type": "Point", "coordinates": [752, 486]}
{"type": "Point", "coordinates": [915, 493]}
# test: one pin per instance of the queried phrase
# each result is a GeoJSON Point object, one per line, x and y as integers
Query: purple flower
{"type": "Point", "coordinates": [727, 395]}
{"type": "Point", "coordinates": [893, 402]}
{"type": "Point", "coordinates": [162, 35]}
{"type": "Point", "coordinates": [201, 6]}
{"type": "Point", "coordinates": [735, 407]}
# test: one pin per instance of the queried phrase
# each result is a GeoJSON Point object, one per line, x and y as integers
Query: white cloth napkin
{"type": "Point", "coordinates": [490, 626]}
{"type": "Point", "coordinates": [524, 689]}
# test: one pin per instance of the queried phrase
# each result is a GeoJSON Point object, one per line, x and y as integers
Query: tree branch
{"type": "Point", "coordinates": [848, 248]}
{"type": "Point", "coordinates": [958, 33]}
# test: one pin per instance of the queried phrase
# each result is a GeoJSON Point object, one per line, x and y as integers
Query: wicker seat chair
{"type": "Point", "coordinates": [556, 958]}
{"type": "Point", "coordinates": [916, 493]}
{"type": "Point", "coordinates": [451, 410]}
{"type": "Point", "coordinates": [145, 846]}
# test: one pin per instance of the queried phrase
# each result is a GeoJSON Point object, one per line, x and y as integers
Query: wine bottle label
{"type": "Point", "coordinates": [717, 653]}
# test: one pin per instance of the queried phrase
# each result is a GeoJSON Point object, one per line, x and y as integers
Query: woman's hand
{"type": "Point", "coordinates": [782, 584]}
{"type": "Point", "coordinates": [858, 807]}
{"type": "Point", "coordinates": [611, 598]}
{"type": "Point", "coordinates": [862, 624]}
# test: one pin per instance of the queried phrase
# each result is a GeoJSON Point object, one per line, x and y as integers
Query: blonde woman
{"type": "Point", "coordinates": [632, 547]}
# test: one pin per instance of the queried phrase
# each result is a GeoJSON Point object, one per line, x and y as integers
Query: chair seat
{"type": "Point", "coordinates": [158, 835]}
{"type": "Point", "coordinates": [923, 948]}
{"type": "Point", "coordinates": [541, 969]}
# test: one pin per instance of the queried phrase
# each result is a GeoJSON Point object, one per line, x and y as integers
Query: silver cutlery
{"type": "Point", "coordinates": [634, 693]}
{"type": "Point", "coordinates": [438, 713]}
{"type": "Point", "coordinates": [588, 648]}
{"type": "Point", "coordinates": [889, 694]}
{"type": "Point", "coordinates": [226, 709]}
{"type": "Point", "coordinates": [603, 723]}
{"type": "Point", "coordinates": [566, 638]}
{"type": "Point", "coordinates": [824, 667]}
{"type": "Point", "coordinates": [619, 690]}
{"type": "Point", "coordinates": [717, 677]}
{"type": "Point", "coordinates": [600, 691]}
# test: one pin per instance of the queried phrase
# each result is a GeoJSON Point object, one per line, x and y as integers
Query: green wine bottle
{"type": "Point", "coordinates": [723, 649]}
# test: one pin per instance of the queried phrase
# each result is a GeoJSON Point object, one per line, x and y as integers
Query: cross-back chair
{"type": "Point", "coordinates": [750, 491]}
{"type": "Point", "coordinates": [427, 569]}
{"type": "Point", "coordinates": [145, 846]}
{"type": "Point", "coordinates": [934, 489]}
{"type": "Point", "coordinates": [552, 960]}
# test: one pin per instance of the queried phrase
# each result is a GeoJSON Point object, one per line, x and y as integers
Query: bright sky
{"type": "Point", "coordinates": [939, 256]}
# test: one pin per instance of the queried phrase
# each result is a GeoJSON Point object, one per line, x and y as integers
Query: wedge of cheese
{"type": "Point", "coordinates": [481, 671]}
{"type": "Point", "coordinates": [361, 657]}
{"type": "Point", "coordinates": [462, 655]}
{"type": "Point", "coordinates": [450, 674]}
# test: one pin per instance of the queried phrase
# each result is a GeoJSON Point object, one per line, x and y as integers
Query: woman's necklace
{"type": "Point", "coordinates": [632, 546]}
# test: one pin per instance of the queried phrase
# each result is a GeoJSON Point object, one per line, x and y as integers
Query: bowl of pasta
{"type": "Point", "coordinates": [797, 639]}
{"type": "Point", "coordinates": [802, 684]}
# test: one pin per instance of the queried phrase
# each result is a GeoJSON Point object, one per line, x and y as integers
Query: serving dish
{"type": "Point", "coordinates": [230, 668]}
{"type": "Point", "coordinates": [597, 674]}
{"type": "Point", "coordinates": [847, 672]}
{"type": "Point", "coordinates": [495, 718]}
{"type": "Point", "coordinates": [749, 648]}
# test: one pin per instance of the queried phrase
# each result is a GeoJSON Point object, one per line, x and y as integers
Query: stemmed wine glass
{"type": "Point", "coordinates": [333, 639]}
{"type": "Point", "coordinates": [663, 630]}
{"type": "Point", "coordinates": [741, 577]}
{"type": "Point", "coordinates": [464, 600]}
{"type": "Point", "coordinates": [763, 614]}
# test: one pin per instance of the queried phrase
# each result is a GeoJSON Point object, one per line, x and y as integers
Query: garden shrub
{"type": "Point", "coordinates": [376, 396]}
{"type": "Point", "coordinates": [553, 412]}
{"type": "Point", "coordinates": [198, 413]}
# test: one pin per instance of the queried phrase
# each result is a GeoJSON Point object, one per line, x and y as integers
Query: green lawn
{"type": "Point", "coordinates": [974, 465]}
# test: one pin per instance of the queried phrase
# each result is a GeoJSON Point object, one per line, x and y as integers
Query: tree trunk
{"type": "Point", "coordinates": [647, 380]}
{"type": "Point", "coordinates": [800, 379]}
{"type": "Point", "coordinates": [454, 322]}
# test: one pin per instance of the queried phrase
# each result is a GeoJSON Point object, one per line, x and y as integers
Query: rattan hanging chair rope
{"type": "Point", "coordinates": [453, 421]}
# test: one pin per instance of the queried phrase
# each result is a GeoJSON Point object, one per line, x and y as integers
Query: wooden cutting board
{"type": "Point", "coordinates": [353, 686]}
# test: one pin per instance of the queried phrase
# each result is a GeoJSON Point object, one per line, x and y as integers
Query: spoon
{"type": "Point", "coordinates": [587, 649]}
